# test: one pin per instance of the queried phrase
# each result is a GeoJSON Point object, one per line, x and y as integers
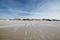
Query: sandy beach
{"type": "Point", "coordinates": [29, 30]}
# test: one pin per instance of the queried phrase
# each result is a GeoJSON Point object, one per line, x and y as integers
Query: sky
{"type": "Point", "coordinates": [30, 9]}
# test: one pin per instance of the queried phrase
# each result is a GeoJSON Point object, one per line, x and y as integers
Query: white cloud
{"type": "Point", "coordinates": [50, 9]}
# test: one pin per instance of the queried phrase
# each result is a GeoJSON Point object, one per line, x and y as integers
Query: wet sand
{"type": "Point", "coordinates": [29, 30]}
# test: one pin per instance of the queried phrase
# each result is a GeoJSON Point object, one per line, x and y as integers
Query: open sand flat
{"type": "Point", "coordinates": [29, 30]}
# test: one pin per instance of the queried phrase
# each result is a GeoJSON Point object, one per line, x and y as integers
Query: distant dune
{"type": "Point", "coordinates": [18, 19]}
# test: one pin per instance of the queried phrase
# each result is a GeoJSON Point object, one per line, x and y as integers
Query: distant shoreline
{"type": "Point", "coordinates": [18, 19]}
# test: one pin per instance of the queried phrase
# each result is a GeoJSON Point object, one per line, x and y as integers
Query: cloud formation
{"type": "Point", "coordinates": [30, 8]}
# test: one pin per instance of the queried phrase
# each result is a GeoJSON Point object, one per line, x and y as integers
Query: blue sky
{"type": "Point", "coordinates": [30, 9]}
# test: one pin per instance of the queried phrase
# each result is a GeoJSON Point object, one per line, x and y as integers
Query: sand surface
{"type": "Point", "coordinates": [29, 30]}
